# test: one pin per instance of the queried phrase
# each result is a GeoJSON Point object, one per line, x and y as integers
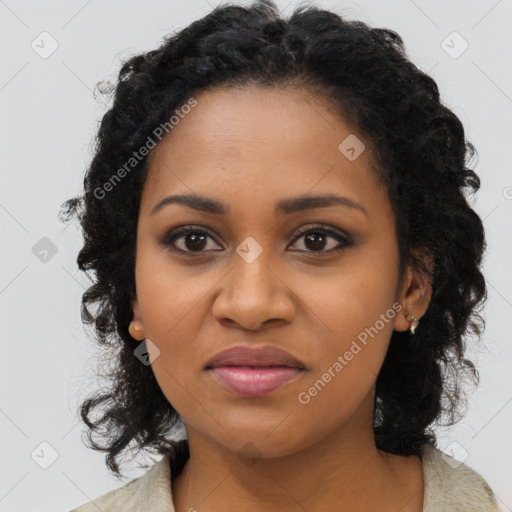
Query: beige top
{"type": "Point", "coordinates": [450, 486]}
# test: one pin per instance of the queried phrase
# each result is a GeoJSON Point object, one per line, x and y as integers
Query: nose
{"type": "Point", "coordinates": [253, 295]}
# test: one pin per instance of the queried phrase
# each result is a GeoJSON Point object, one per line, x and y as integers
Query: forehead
{"type": "Point", "coordinates": [256, 140]}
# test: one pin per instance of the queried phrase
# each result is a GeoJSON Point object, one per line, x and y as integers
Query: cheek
{"type": "Point", "coordinates": [174, 305]}
{"type": "Point", "coordinates": [172, 320]}
{"type": "Point", "coordinates": [350, 354]}
{"type": "Point", "coordinates": [171, 296]}
{"type": "Point", "coordinates": [347, 303]}
{"type": "Point", "coordinates": [349, 320]}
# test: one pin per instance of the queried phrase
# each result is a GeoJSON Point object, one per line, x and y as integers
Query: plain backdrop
{"type": "Point", "coordinates": [53, 55]}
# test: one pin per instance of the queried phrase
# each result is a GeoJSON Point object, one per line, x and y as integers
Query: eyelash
{"type": "Point", "coordinates": [180, 232]}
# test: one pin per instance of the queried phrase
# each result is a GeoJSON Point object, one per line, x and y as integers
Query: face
{"type": "Point", "coordinates": [319, 283]}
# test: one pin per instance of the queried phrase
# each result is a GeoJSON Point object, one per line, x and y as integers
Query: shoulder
{"type": "Point", "coordinates": [118, 499]}
{"type": "Point", "coordinates": [151, 491]}
{"type": "Point", "coordinates": [453, 486]}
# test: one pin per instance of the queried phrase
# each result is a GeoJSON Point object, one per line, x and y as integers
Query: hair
{"type": "Point", "coordinates": [421, 157]}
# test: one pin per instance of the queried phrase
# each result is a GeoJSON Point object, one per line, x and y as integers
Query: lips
{"type": "Point", "coordinates": [242, 355]}
{"type": "Point", "coordinates": [254, 371]}
{"type": "Point", "coordinates": [253, 381]}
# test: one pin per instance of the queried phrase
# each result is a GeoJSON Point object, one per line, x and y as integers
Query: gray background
{"type": "Point", "coordinates": [48, 120]}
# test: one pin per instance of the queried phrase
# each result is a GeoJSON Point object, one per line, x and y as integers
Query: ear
{"type": "Point", "coordinates": [415, 293]}
{"type": "Point", "coordinates": [136, 327]}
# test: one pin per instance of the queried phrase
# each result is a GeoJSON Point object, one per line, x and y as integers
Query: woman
{"type": "Point", "coordinates": [285, 260]}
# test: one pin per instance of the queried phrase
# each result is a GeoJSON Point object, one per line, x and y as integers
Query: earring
{"type": "Point", "coordinates": [414, 322]}
{"type": "Point", "coordinates": [131, 330]}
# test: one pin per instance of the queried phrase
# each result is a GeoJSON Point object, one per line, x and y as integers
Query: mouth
{"type": "Point", "coordinates": [254, 370]}
{"type": "Point", "coordinates": [254, 380]}
{"type": "Point", "coordinates": [254, 356]}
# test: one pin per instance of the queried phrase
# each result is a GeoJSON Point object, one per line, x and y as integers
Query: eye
{"type": "Point", "coordinates": [316, 240]}
{"type": "Point", "coordinates": [192, 239]}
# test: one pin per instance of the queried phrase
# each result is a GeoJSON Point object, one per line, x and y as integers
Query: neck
{"type": "Point", "coordinates": [343, 469]}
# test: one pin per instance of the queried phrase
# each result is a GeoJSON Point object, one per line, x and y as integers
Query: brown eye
{"type": "Point", "coordinates": [190, 239]}
{"type": "Point", "coordinates": [195, 241]}
{"type": "Point", "coordinates": [317, 240]}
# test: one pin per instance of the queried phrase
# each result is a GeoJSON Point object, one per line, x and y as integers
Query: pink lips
{"type": "Point", "coordinates": [254, 380]}
{"type": "Point", "coordinates": [254, 371]}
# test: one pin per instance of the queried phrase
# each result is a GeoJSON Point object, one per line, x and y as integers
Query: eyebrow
{"type": "Point", "coordinates": [284, 206]}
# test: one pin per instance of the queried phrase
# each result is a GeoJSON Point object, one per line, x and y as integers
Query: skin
{"type": "Point", "coordinates": [249, 148]}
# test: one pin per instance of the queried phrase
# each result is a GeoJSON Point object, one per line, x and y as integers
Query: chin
{"type": "Point", "coordinates": [264, 442]}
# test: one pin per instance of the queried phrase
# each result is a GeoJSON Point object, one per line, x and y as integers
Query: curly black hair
{"type": "Point", "coordinates": [421, 157]}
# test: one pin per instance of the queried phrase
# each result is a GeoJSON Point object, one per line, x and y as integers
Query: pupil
{"type": "Point", "coordinates": [318, 240]}
{"type": "Point", "coordinates": [198, 241]}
